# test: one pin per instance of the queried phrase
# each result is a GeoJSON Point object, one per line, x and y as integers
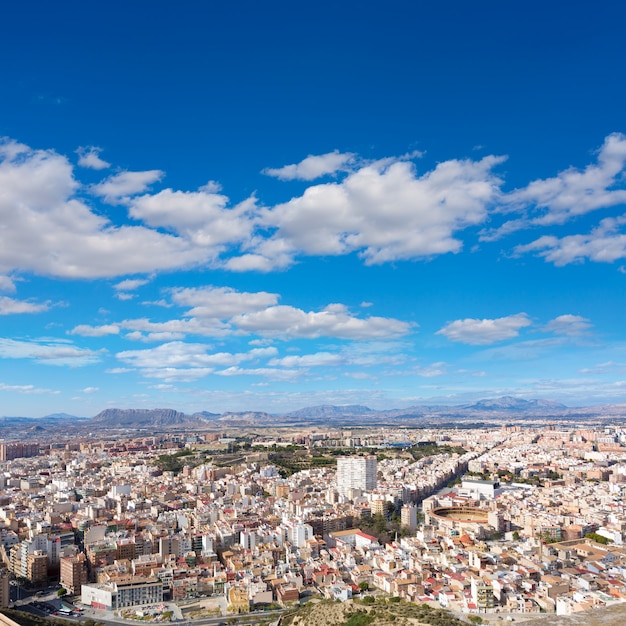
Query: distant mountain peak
{"type": "Point", "coordinates": [330, 410]}
{"type": "Point", "coordinates": [140, 417]}
{"type": "Point", "coordinates": [509, 403]}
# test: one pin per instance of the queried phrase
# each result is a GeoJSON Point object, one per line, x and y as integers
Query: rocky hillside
{"type": "Point", "coordinates": [137, 418]}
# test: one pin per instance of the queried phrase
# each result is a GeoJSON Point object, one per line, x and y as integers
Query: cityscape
{"type": "Point", "coordinates": [312, 314]}
{"type": "Point", "coordinates": [518, 518]}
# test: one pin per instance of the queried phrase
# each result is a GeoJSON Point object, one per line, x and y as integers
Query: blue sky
{"type": "Point", "coordinates": [265, 206]}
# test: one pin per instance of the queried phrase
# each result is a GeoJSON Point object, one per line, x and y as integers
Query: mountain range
{"type": "Point", "coordinates": [500, 409]}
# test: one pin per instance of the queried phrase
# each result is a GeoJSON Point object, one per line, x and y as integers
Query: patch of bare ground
{"type": "Point", "coordinates": [609, 616]}
{"type": "Point", "coordinates": [385, 613]}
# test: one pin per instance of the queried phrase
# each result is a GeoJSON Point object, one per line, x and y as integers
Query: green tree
{"type": "Point", "coordinates": [598, 538]}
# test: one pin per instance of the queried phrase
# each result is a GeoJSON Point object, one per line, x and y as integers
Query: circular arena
{"type": "Point", "coordinates": [461, 514]}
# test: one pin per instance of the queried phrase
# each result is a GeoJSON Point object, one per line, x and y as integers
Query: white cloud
{"type": "Point", "coordinates": [601, 368]}
{"type": "Point", "coordinates": [319, 359]}
{"type": "Point", "coordinates": [177, 374]}
{"type": "Point", "coordinates": [314, 166]}
{"type": "Point", "coordinates": [218, 311]}
{"type": "Point", "coordinates": [202, 217]}
{"type": "Point", "coordinates": [49, 352]}
{"type": "Point", "coordinates": [95, 331]}
{"type": "Point", "coordinates": [27, 389]}
{"type": "Point", "coordinates": [529, 350]}
{"type": "Point", "coordinates": [38, 208]}
{"type": "Point", "coordinates": [486, 331]}
{"type": "Point", "coordinates": [222, 302]}
{"type": "Point", "coordinates": [271, 254]}
{"type": "Point", "coordinates": [432, 371]}
{"type": "Point", "coordinates": [574, 192]}
{"type": "Point", "coordinates": [178, 355]}
{"type": "Point", "coordinates": [359, 376]}
{"type": "Point", "coordinates": [10, 306]}
{"type": "Point", "coordinates": [570, 325]}
{"type": "Point", "coordinates": [383, 210]}
{"type": "Point", "coordinates": [11, 149]}
{"type": "Point", "coordinates": [89, 156]}
{"type": "Point", "coordinates": [209, 327]}
{"type": "Point", "coordinates": [571, 193]}
{"type": "Point", "coordinates": [365, 354]}
{"type": "Point", "coordinates": [90, 390]}
{"type": "Point", "coordinates": [265, 372]}
{"type": "Point", "coordinates": [119, 187]}
{"type": "Point", "coordinates": [604, 244]}
{"type": "Point", "coordinates": [7, 284]}
{"type": "Point", "coordinates": [154, 336]}
{"type": "Point", "coordinates": [131, 284]}
{"type": "Point", "coordinates": [333, 321]}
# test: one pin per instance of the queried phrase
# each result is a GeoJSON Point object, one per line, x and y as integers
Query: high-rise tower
{"type": "Point", "coordinates": [356, 472]}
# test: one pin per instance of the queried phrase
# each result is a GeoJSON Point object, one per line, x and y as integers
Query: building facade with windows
{"type": "Point", "coordinates": [356, 472]}
{"type": "Point", "coordinates": [117, 594]}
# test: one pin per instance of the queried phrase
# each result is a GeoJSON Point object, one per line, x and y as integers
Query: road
{"type": "Point", "coordinates": [105, 617]}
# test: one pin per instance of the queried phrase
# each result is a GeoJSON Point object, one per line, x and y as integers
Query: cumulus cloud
{"type": "Point", "coordinates": [573, 192]}
{"type": "Point", "coordinates": [38, 206]}
{"type": "Point", "coordinates": [177, 374]}
{"type": "Point", "coordinates": [27, 389]}
{"type": "Point", "coordinates": [319, 359]}
{"type": "Point", "coordinates": [89, 157]}
{"type": "Point", "coordinates": [125, 184]}
{"type": "Point", "coordinates": [604, 244]}
{"type": "Point", "coordinates": [95, 331]}
{"type": "Point", "coordinates": [220, 311]}
{"type": "Point", "coordinates": [486, 331]}
{"type": "Point", "coordinates": [146, 330]}
{"type": "Point", "coordinates": [265, 372]}
{"type": "Point", "coordinates": [10, 306]}
{"type": "Point", "coordinates": [178, 354]}
{"type": "Point", "coordinates": [123, 288]}
{"type": "Point", "coordinates": [177, 359]}
{"type": "Point", "coordinates": [49, 352]}
{"type": "Point", "coordinates": [362, 354]}
{"type": "Point", "coordinates": [314, 166]}
{"type": "Point", "coordinates": [570, 325]}
{"type": "Point", "coordinates": [7, 284]}
{"type": "Point", "coordinates": [130, 284]}
{"type": "Point", "coordinates": [90, 390]}
{"type": "Point", "coordinates": [152, 337]}
{"type": "Point", "coordinates": [384, 211]}
{"type": "Point", "coordinates": [202, 217]}
{"type": "Point", "coordinates": [333, 321]}
{"type": "Point", "coordinates": [222, 302]}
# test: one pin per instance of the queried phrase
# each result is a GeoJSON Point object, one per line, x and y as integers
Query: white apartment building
{"type": "Point", "coordinates": [356, 472]}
